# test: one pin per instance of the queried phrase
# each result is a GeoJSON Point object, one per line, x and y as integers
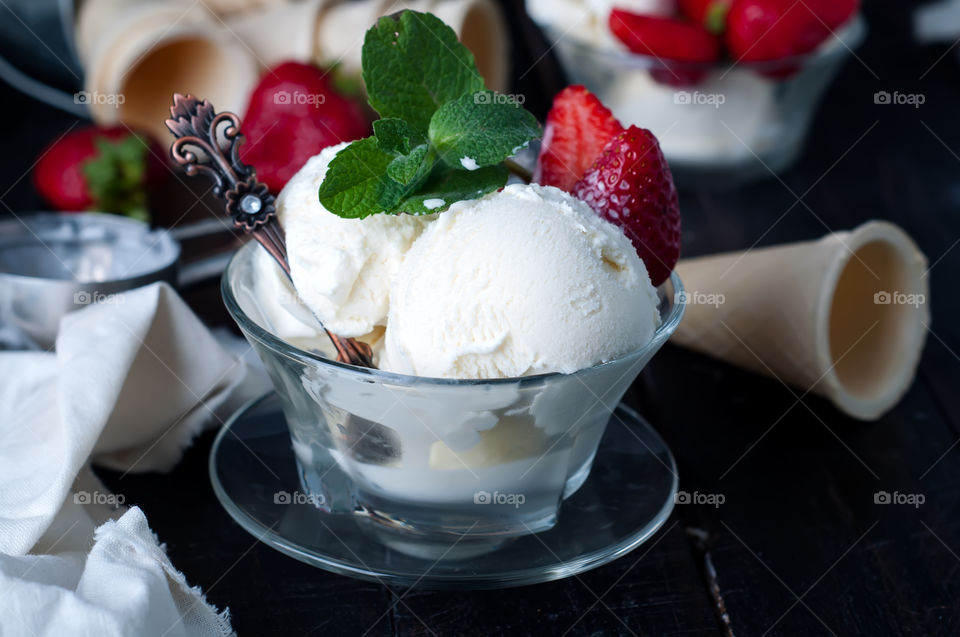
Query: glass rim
{"type": "Point", "coordinates": [667, 326]}
{"type": "Point", "coordinates": [847, 38]}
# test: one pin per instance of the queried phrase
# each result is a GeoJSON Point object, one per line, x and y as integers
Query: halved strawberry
{"type": "Point", "coordinates": [578, 127]}
{"type": "Point", "coordinates": [668, 40]}
{"type": "Point", "coordinates": [630, 185]}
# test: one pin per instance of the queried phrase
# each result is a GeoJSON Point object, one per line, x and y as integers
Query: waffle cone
{"type": "Point", "coordinates": [478, 23]}
{"type": "Point", "coordinates": [281, 32]}
{"type": "Point", "coordinates": [138, 54]}
{"type": "Point", "coordinates": [843, 317]}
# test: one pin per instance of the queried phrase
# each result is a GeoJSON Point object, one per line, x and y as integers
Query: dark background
{"type": "Point", "coordinates": [798, 548]}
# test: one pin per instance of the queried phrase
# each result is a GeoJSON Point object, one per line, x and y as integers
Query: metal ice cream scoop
{"type": "Point", "coordinates": [208, 143]}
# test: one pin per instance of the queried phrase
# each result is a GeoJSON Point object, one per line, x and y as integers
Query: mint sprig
{"type": "Point", "coordinates": [442, 138]}
{"type": "Point", "coordinates": [481, 129]}
{"type": "Point", "coordinates": [413, 64]}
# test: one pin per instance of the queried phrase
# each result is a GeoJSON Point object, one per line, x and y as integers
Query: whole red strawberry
{"type": "Point", "coordinates": [761, 30]}
{"type": "Point", "coordinates": [293, 114]}
{"type": "Point", "coordinates": [668, 40]}
{"type": "Point", "coordinates": [630, 185]}
{"type": "Point", "coordinates": [102, 169]}
{"type": "Point", "coordinates": [578, 127]}
{"type": "Point", "coordinates": [710, 14]}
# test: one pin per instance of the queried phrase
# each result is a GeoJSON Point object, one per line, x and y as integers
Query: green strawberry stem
{"type": "Point", "coordinates": [715, 20]}
{"type": "Point", "coordinates": [116, 175]}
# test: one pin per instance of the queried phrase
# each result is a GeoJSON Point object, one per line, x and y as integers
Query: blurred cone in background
{"type": "Point", "coordinates": [285, 32]}
{"type": "Point", "coordinates": [330, 33]}
{"type": "Point", "coordinates": [137, 54]}
{"type": "Point", "coordinates": [843, 317]}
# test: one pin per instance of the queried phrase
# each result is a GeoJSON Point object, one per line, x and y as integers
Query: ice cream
{"type": "Point", "coordinates": [524, 281]}
{"type": "Point", "coordinates": [526, 287]}
{"type": "Point", "coordinates": [341, 268]}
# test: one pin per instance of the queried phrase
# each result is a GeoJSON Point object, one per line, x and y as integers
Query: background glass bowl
{"type": "Point", "coordinates": [718, 124]}
{"type": "Point", "coordinates": [438, 458]}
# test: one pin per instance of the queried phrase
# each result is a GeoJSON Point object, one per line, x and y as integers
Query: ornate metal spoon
{"type": "Point", "coordinates": [196, 126]}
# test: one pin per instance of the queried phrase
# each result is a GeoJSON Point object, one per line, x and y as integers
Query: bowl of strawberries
{"type": "Point", "coordinates": [728, 86]}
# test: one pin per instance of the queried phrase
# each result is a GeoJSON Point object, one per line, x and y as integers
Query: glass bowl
{"type": "Point", "coordinates": [718, 123]}
{"type": "Point", "coordinates": [432, 458]}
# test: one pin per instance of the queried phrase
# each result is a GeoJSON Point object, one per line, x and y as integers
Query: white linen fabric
{"type": "Point", "coordinates": [132, 380]}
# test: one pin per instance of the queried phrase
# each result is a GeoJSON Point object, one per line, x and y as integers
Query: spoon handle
{"type": "Point", "coordinates": [201, 136]}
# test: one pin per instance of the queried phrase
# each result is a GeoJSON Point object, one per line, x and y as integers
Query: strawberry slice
{"type": "Point", "coordinates": [668, 40]}
{"type": "Point", "coordinates": [578, 127]}
{"type": "Point", "coordinates": [762, 30]}
{"type": "Point", "coordinates": [835, 13]}
{"type": "Point", "coordinates": [630, 185]}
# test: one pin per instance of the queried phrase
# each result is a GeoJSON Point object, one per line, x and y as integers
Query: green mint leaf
{"type": "Point", "coordinates": [357, 185]}
{"type": "Point", "coordinates": [446, 186]}
{"type": "Point", "coordinates": [481, 129]}
{"type": "Point", "coordinates": [413, 64]}
{"type": "Point", "coordinates": [397, 136]}
{"type": "Point", "coordinates": [411, 169]}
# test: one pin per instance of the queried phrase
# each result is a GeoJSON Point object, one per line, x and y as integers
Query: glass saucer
{"type": "Point", "coordinates": [628, 496]}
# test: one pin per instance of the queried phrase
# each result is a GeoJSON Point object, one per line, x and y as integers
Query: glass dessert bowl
{"type": "Point", "coordinates": [435, 459]}
{"type": "Point", "coordinates": [718, 123]}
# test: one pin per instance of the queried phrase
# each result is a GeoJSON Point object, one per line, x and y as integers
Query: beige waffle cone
{"type": "Point", "coordinates": [843, 317]}
{"type": "Point", "coordinates": [138, 54]}
{"type": "Point", "coordinates": [480, 26]}
{"type": "Point", "coordinates": [478, 23]}
{"type": "Point", "coordinates": [281, 32]}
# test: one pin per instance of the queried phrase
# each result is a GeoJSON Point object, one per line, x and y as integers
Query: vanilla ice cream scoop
{"type": "Point", "coordinates": [341, 268]}
{"type": "Point", "coordinates": [526, 280]}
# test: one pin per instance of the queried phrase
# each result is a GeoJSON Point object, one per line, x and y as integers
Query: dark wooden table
{"type": "Point", "coordinates": [798, 547]}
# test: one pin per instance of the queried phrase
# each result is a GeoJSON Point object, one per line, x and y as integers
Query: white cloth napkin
{"type": "Point", "coordinates": [133, 379]}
